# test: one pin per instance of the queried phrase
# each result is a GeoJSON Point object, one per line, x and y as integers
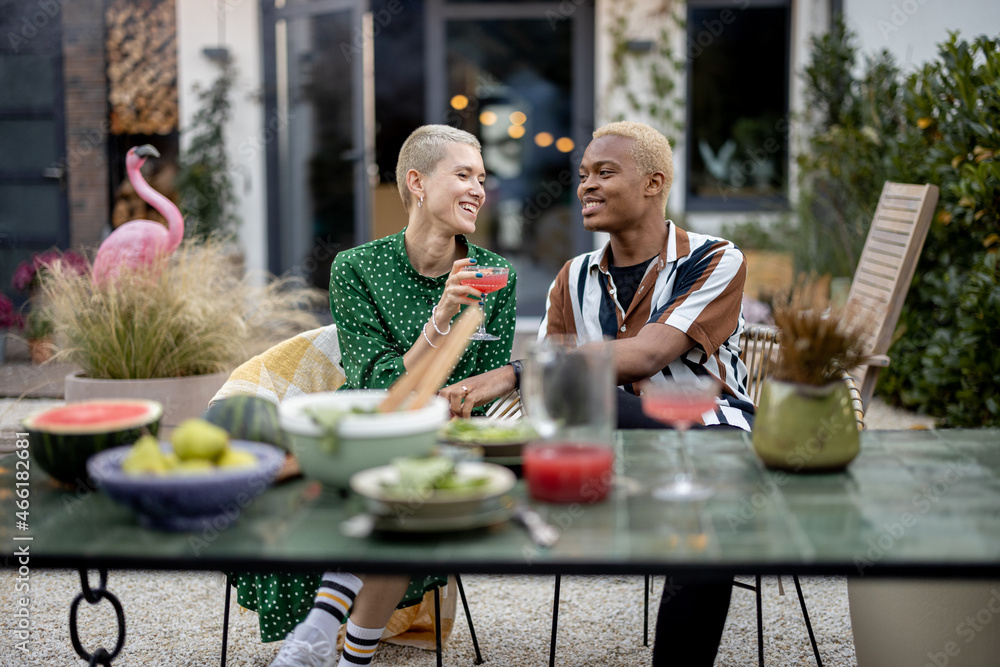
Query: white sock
{"type": "Point", "coordinates": [333, 600]}
{"type": "Point", "coordinates": [359, 645]}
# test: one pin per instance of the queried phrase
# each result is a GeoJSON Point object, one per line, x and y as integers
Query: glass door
{"type": "Point", "coordinates": [33, 209]}
{"type": "Point", "coordinates": [318, 76]}
{"type": "Point", "coordinates": [519, 75]}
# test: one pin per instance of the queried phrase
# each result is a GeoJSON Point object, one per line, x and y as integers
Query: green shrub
{"type": "Point", "coordinates": [947, 362]}
{"type": "Point", "coordinates": [842, 172]}
{"type": "Point", "coordinates": [936, 125]}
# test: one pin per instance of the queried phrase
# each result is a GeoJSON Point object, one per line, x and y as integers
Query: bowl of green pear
{"type": "Point", "coordinates": [199, 480]}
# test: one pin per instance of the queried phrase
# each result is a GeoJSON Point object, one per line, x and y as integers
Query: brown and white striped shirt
{"type": "Point", "coordinates": [695, 285]}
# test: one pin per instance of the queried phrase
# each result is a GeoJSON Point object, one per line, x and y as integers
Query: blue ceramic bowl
{"type": "Point", "coordinates": [187, 502]}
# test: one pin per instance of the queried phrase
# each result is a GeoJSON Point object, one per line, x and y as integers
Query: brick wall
{"type": "Point", "coordinates": [86, 121]}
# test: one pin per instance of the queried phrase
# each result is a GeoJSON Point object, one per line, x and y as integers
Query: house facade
{"type": "Point", "coordinates": [327, 90]}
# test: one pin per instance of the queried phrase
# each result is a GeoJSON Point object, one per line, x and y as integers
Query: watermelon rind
{"type": "Point", "coordinates": [250, 418]}
{"type": "Point", "coordinates": [62, 449]}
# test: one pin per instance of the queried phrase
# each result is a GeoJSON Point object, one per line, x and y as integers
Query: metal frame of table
{"type": "Point", "coordinates": [914, 503]}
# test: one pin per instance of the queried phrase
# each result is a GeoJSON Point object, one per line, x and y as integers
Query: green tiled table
{"type": "Point", "coordinates": [914, 503]}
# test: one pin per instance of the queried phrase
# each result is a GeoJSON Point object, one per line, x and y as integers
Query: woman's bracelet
{"type": "Point", "coordinates": [434, 322]}
{"type": "Point", "coordinates": [423, 330]}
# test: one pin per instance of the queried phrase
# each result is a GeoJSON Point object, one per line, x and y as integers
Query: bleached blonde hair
{"type": "Point", "coordinates": [424, 149]}
{"type": "Point", "coordinates": [650, 150]}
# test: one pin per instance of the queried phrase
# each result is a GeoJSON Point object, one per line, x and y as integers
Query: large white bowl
{"type": "Point", "coordinates": [362, 440]}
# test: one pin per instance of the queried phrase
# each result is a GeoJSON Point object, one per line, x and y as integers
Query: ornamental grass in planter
{"type": "Point", "coordinates": [805, 421]}
{"type": "Point", "coordinates": [188, 316]}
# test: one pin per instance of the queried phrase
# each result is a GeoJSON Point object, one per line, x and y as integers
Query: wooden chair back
{"type": "Point", "coordinates": [886, 268]}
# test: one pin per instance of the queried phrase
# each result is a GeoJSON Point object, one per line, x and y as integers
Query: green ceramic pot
{"type": "Point", "coordinates": [804, 428]}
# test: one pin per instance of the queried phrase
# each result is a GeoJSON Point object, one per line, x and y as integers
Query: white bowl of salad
{"type": "Point", "coordinates": [336, 434]}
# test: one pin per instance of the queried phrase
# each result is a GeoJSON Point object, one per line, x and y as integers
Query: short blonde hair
{"type": "Point", "coordinates": [650, 149]}
{"type": "Point", "coordinates": [424, 149]}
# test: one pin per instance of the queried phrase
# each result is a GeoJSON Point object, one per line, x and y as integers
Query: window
{"type": "Point", "coordinates": [738, 54]}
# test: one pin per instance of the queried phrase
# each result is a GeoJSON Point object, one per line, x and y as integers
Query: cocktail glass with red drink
{"type": "Point", "coordinates": [681, 403]}
{"type": "Point", "coordinates": [486, 279]}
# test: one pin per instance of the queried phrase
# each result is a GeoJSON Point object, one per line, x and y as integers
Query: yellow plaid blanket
{"type": "Point", "coordinates": [304, 364]}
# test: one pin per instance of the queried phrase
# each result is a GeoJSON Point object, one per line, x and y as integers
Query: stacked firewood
{"type": "Point", "coordinates": [142, 66]}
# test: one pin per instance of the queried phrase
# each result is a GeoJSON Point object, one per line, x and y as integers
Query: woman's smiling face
{"type": "Point", "coordinates": [455, 193]}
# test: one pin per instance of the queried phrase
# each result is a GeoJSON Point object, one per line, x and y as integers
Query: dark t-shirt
{"type": "Point", "coordinates": [627, 280]}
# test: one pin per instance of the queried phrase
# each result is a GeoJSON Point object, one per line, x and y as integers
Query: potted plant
{"type": "Point", "coordinates": [170, 331]}
{"type": "Point", "coordinates": [29, 274]}
{"type": "Point", "coordinates": [38, 331]}
{"type": "Point", "coordinates": [28, 278]}
{"type": "Point", "coordinates": [805, 420]}
{"type": "Point", "coordinates": [9, 319]}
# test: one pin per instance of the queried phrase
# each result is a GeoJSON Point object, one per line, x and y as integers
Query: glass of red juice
{"type": "Point", "coordinates": [568, 397]}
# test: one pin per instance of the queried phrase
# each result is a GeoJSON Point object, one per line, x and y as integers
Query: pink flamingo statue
{"type": "Point", "coordinates": [139, 243]}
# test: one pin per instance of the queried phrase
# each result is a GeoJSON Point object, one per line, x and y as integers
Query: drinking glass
{"type": "Point", "coordinates": [486, 279]}
{"type": "Point", "coordinates": [681, 403]}
{"type": "Point", "coordinates": [568, 398]}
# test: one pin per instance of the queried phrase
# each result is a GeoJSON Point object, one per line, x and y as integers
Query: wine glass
{"type": "Point", "coordinates": [486, 279]}
{"type": "Point", "coordinates": [681, 403]}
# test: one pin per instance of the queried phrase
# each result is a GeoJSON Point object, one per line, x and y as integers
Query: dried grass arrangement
{"type": "Point", "coordinates": [192, 314]}
{"type": "Point", "coordinates": [817, 340]}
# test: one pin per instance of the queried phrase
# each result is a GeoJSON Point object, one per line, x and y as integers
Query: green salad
{"type": "Point", "coordinates": [329, 418]}
{"type": "Point", "coordinates": [426, 474]}
{"type": "Point", "coordinates": [486, 432]}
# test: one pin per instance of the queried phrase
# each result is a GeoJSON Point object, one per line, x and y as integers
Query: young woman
{"type": "Point", "coordinates": [392, 299]}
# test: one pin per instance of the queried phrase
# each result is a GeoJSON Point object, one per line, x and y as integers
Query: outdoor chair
{"type": "Point", "coordinates": [885, 270]}
{"type": "Point", "coordinates": [310, 362]}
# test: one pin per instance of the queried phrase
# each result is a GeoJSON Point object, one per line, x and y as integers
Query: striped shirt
{"type": "Point", "coordinates": [695, 285]}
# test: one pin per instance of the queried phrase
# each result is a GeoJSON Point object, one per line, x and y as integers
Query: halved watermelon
{"type": "Point", "coordinates": [61, 439]}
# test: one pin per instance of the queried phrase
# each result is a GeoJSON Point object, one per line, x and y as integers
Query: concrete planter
{"type": "Point", "coordinates": [903, 623]}
{"type": "Point", "coordinates": [182, 398]}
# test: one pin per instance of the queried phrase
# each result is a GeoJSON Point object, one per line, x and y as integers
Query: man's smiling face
{"type": "Point", "coordinates": [611, 188]}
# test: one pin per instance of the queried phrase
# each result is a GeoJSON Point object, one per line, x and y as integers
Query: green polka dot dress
{"type": "Point", "coordinates": [380, 303]}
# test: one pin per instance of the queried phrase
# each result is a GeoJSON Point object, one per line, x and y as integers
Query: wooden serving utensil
{"type": "Point", "coordinates": [433, 367]}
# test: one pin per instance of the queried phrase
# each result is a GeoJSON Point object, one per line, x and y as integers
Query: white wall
{"type": "Point", "coordinates": [911, 29]}
{"type": "Point", "coordinates": [199, 25]}
{"type": "Point", "coordinates": [645, 21]}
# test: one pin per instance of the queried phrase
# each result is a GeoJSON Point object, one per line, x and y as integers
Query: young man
{"type": "Point", "coordinates": [671, 300]}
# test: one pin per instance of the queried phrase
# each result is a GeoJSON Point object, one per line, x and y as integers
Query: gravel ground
{"type": "Point", "coordinates": [175, 618]}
